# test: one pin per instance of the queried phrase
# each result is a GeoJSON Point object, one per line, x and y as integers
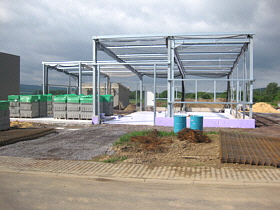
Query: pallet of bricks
{"type": "Point", "coordinates": [60, 107]}
{"type": "Point", "coordinates": [49, 104]}
{"type": "Point", "coordinates": [86, 105]}
{"type": "Point", "coordinates": [73, 107]}
{"type": "Point", "coordinates": [4, 115]}
{"type": "Point", "coordinates": [29, 106]}
{"type": "Point", "coordinates": [43, 106]}
{"type": "Point", "coordinates": [14, 105]}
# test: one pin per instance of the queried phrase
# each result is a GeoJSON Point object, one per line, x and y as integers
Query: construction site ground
{"type": "Point", "coordinates": [79, 149]}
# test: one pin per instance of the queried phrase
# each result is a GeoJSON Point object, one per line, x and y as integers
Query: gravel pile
{"type": "Point", "coordinates": [80, 144]}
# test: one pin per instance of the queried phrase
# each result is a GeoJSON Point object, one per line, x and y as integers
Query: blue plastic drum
{"type": "Point", "coordinates": [179, 122]}
{"type": "Point", "coordinates": [196, 122]}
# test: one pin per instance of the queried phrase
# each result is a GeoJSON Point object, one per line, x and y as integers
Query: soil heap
{"type": "Point", "coordinates": [194, 136]}
{"type": "Point", "coordinates": [264, 108]}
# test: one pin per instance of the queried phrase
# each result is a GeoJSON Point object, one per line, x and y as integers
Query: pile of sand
{"type": "Point", "coordinates": [130, 107]}
{"type": "Point", "coordinates": [264, 108]}
{"type": "Point", "coordinates": [17, 124]}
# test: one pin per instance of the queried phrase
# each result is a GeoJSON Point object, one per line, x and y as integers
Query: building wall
{"type": "Point", "coordinates": [9, 75]}
{"type": "Point", "coordinates": [119, 91]}
{"type": "Point", "coordinates": [121, 95]}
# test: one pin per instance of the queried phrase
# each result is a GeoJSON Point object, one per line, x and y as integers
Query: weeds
{"type": "Point", "coordinates": [114, 159]}
{"type": "Point", "coordinates": [212, 132]}
{"type": "Point", "coordinates": [126, 137]}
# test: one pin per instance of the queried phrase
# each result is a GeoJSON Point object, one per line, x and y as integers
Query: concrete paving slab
{"type": "Point", "coordinates": [190, 175]}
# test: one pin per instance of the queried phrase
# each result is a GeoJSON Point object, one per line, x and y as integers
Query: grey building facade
{"type": "Point", "coordinates": [9, 75]}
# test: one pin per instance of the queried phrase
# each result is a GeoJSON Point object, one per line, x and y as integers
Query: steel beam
{"type": "Point", "coordinates": [114, 56]}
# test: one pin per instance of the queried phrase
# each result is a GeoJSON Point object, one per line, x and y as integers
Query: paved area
{"type": "Point", "coordinates": [186, 175]}
{"type": "Point", "coordinates": [44, 191]}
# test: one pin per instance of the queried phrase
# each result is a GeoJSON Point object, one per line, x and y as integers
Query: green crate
{"type": "Point", "coordinates": [60, 99]}
{"type": "Point", "coordinates": [4, 105]}
{"type": "Point", "coordinates": [28, 98]}
{"type": "Point", "coordinates": [13, 98]}
{"type": "Point", "coordinates": [42, 98]}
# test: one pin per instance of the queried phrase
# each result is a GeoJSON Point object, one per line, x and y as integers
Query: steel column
{"type": "Point", "coordinates": [215, 90]}
{"type": "Point", "coordinates": [170, 76]}
{"type": "Point", "coordinates": [94, 79]}
{"type": "Point", "coordinates": [155, 102]}
{"type": "Point", "coordinates": [251, 76]}
{"type": "Point", "coordinates": [141, 94]}
{"type": "Point", "coordinates": [44, 79]}
{"type": "Point", "coordinates": [80, 79]}
{"type": "Point", "coordinates": [98, 94]}
{"type": "Point", "coordinates": [195, 90]}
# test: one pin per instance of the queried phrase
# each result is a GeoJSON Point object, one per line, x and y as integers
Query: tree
{"type": "Point", "coordinates": [271, 91]}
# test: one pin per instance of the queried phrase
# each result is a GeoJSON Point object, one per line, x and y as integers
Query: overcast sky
{"type": "Point", "coordinates": [55, 30]}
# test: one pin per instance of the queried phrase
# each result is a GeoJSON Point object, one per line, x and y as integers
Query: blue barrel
{"type": "Point", "coordinates": [179, 122]}
{"type": "Point", "coordinates": [196, 122]}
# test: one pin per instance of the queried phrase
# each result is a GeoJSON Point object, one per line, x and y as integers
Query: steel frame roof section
{"type": "Point", "coordinates": [200, 54]}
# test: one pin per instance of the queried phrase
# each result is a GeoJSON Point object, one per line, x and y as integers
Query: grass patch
{"type": "Point", "coordinates": [126, 137]}
{"type": "Point", "coordinates": [239, 132]}
{"type": "Point", "coordinates": [212, 132]}
{"type": "Point", "coordinates": [114, 159]}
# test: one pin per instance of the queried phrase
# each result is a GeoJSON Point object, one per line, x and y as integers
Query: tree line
{"type": "Point", "coordinates": [270, 94]}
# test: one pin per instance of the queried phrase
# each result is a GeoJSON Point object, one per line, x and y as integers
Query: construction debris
{"type": "Point", "coordinates": [194, 136]}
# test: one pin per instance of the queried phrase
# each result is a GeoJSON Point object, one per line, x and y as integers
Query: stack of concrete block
{"type": "Point", "coordinates": [60, 107]}
{"type": "Point", "coordinates": [42, 105]}
{"type": "Point", "coordinates": [86, 107]}
{"type": "Point", "coordinates": [73, 107]}
{"type": "Point", "coordinates": [49, 104]}
{"type": "Point", "coordinates": [29, 106]}
{"type": "Point", "coordinates": [14, 105]}
{"type": "Point", "coordinates": [4, 115]}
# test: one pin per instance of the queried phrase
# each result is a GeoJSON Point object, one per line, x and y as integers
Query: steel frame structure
{"type": "Point", "coordinates": [176, 57]}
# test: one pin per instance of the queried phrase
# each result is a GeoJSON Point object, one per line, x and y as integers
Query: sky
{"type": "Point", "coordinates": [56, 30]}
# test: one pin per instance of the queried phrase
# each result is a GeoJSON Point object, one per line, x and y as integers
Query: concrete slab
{"type": "Point", "coordinates": [210, 119]}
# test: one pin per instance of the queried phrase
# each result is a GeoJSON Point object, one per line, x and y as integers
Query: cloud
{"type": "Point", "coordinates": [62, 30]}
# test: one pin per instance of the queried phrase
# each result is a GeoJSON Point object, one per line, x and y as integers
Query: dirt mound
{"type": "Point", "coordinates": [194, 136]}
{"type": "Point", "coordinates": [151, 141]}
{"type": "Point", "coordinates": [264, 108]}
{"type": "Point", "coordinates": [130, 107]}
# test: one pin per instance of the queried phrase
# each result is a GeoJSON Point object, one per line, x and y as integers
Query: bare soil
{"type": "Point", "coordinates": [93, 143]}
{"type": "Point", "coordinates": [172, 152]}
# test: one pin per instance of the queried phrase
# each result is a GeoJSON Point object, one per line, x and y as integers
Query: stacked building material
{"type": "Point", "coordinates": [86, 107]}
{"type": "Point", "coordinates": [60, 107]}
{"type": "Point", "coordinates": [42, 105]}
{"type": "Point", "coordinates": [108, 104]}
{"type": "Point", "coordinates": [4, 115]}
{"type": "Point", "coordinates": [73, 107]}
{"type": "Point", "coordinates": [14, 105]}
{"type": "Point", "coordinates": [49, 104]}
{"type": "Point", "coordinates": [29, 106]}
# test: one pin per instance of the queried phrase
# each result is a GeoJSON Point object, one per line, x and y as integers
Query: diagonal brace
{"type": "Point", "coordinates": [114, 56]}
